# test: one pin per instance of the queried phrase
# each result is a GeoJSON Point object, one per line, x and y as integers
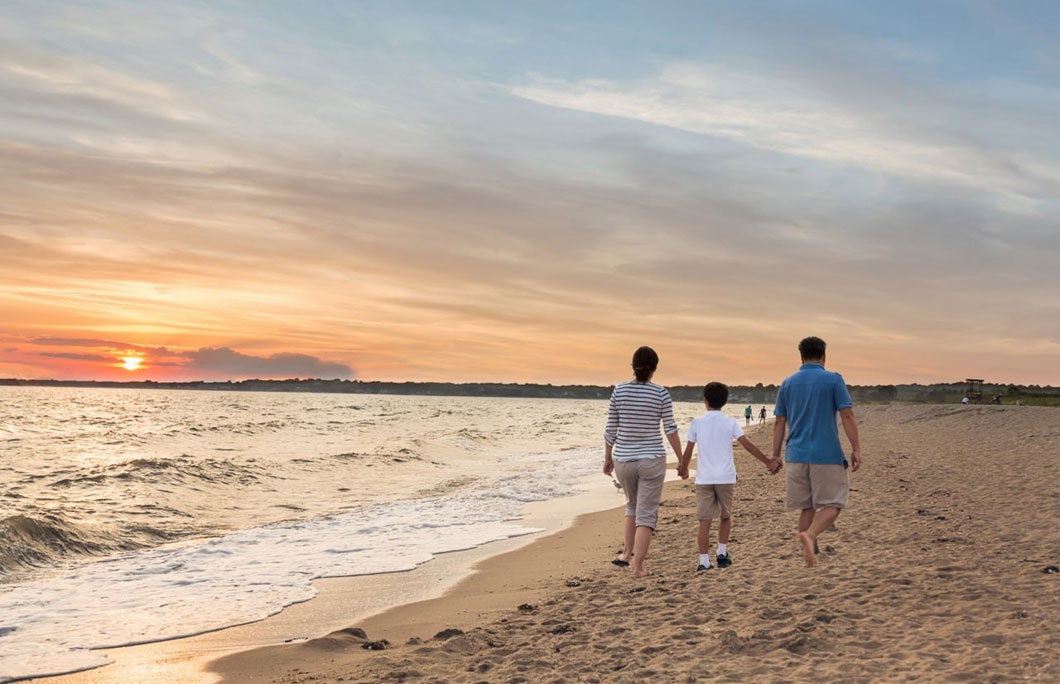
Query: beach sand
{"type": "Point", "coordinates": [934, 573]}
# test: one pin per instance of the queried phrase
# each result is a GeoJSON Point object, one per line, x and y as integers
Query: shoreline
{"type": "Point", "coordinates": [361, 598]}
{"type": "Point", "coordinates": [496, 585]}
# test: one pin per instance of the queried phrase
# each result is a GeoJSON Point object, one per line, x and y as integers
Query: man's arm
{"type": "Point", "coordinates": [850, 426]}
{"type": "Point", "coordinates": [780, 425]}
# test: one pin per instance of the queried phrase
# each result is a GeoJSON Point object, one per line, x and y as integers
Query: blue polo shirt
{"type": "Point", "coordinates": [810, 399]}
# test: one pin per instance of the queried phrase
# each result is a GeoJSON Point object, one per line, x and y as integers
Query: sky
{"type": "Point", "coordinates": [527, 192]}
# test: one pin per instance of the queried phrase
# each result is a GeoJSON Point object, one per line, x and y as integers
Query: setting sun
{"type": "Point", "coordinates": [131, 362]}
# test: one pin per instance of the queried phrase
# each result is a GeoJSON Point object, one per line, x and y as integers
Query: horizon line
{"type": "Point", "coordinates": [759, 385]}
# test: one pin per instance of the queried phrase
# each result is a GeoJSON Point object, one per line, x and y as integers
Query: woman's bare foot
{"type": "Point", "coordinates": [808, 549]}
{"type": "Point", "coordinates": [641, 573]}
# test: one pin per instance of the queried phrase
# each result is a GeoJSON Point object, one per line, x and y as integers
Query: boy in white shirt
{"type": "Point", "coordinates": [716, 471]}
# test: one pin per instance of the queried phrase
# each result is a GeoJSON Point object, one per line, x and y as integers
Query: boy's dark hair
{"type": "Point", "coordinates": [645, 361]}
{"type": "Point", "coordinates": [812, 348]}
{"type": "Point", "coordinates": [716, 394]}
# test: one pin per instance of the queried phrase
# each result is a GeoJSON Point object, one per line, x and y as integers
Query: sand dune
{"type": "Point", "coordinates": [935, 573]}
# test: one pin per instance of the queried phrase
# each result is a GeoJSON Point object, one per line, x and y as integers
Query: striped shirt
{"type": "Point", "coordinates": [633, 421]}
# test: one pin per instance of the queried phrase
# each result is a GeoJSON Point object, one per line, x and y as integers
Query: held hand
{"type": "Point", "coordinates": [682, 472]}
{"type": "Point", "coordinates": [609, 467]}
{"type": "Point", "coordinates": [855, 460]}
{"type": "Point", "coordinates": [775, 465]}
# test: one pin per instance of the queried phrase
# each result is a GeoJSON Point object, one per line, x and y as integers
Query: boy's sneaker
{"type": "Point", "coordinates": [724, 560]}
{"type": "Point", "coordinates": [702, 567]}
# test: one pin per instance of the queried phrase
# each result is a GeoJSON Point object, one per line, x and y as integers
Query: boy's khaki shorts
{"type": "Point", "coordinates": [714, 501]}
{"type": "Point", "coordinates": [816, 485]}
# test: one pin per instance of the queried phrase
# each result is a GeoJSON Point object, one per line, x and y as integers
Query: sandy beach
{"type": "Point", "coordinates": [936, 572]}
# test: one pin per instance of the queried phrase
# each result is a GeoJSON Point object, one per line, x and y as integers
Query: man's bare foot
{"type": "Point", "coordinates": [641, 573]}
{"type": "Point", "coordinates": [807, 549]}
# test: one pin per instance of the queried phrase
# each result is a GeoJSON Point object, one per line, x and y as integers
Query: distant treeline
{"type": "Point", "coordinates": [943, 393]}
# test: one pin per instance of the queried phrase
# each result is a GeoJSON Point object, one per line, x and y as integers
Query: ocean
{"type": "Point", "coordinates": [129, 516]}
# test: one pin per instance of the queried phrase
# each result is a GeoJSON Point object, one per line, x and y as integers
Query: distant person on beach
{"type": "Point", "coordinates": [762, 415]}
{"type": "Point", "coordinates": [817, 477]}
{"type": "Point", "coordinates": [966, 400]}
{"type": "Point", "coordinates": [634, 451]}
{"type": "Point", "coordinates": [747, 415]}
{"type": "Point", "coordinates": [716, 471]}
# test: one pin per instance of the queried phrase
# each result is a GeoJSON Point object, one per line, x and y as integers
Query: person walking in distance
{"type": "Point", "coordinates": [817, 478]}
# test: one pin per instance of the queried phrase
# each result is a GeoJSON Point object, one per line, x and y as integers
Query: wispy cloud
{"type": "Point", "coordinates": [775, 115]}
{"type": "Point", "coordinates": [77, 357]}
{"type": "Point", "coordinates": [52, 73]}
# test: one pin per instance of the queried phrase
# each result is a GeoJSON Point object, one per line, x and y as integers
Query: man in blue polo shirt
{"type": "Point", "coordinates": [818, 484]}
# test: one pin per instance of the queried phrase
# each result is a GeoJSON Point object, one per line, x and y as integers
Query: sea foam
{"type": "Point", "coordinates": [51, 626]}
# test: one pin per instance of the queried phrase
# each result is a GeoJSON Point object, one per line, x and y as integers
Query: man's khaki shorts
{"type": "Point", "coordinates": [816, 485]}
{"type": "Point", "coordinates": [714, 501]}
{"type": "Point", "coordinates": [642, 481]}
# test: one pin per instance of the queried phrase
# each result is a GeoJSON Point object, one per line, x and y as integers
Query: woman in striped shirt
{"type": "Point", "coordinates": [634, 451]}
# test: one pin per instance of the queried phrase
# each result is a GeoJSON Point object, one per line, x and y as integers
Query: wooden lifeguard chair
{"type": "Point", "coordinates": [975, 390]}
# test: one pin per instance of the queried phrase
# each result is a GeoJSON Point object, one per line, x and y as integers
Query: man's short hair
{"type": "Point", "coordinates": [716, 394]}
{"type": "Point", "coordinates": [812, 348]}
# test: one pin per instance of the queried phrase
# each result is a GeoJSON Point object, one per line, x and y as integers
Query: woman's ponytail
{"type": "Point", "coordinates": [645, 361]}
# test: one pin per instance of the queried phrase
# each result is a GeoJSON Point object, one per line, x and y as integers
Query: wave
{"type": "Point", "coordinates": [247, 575]}
{"type": "Point", "coordinates": [171, 471]}
{"type": "Point", "coordinates": [28, 543]}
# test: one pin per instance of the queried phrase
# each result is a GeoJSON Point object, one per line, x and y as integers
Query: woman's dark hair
{"type": "Point", "coordinates": [645, 361]}
{"type": "Point", "coordinates": [812, 349]}
{"type": "Point", "coordinates": [716, 394]}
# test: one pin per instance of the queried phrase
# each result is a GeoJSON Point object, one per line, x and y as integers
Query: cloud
{"type": "Point", "coordinates": [74, 342]}
{"type": "Point", "coordinates": [57, 74]}
{"type": "Point", "coordinates": [226, 360]}
{"type": "Point", "coordinates": [216, 361]}
{"type": "Point", "coordinates": [76, 357]}
{"type": "Point", "coordinates": [778, 115]}
{"type": "Point", "coordinates": [89, 342]}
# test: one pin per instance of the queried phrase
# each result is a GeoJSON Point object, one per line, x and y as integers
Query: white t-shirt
{"type": "Point", "coordinates": [713, 433]}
